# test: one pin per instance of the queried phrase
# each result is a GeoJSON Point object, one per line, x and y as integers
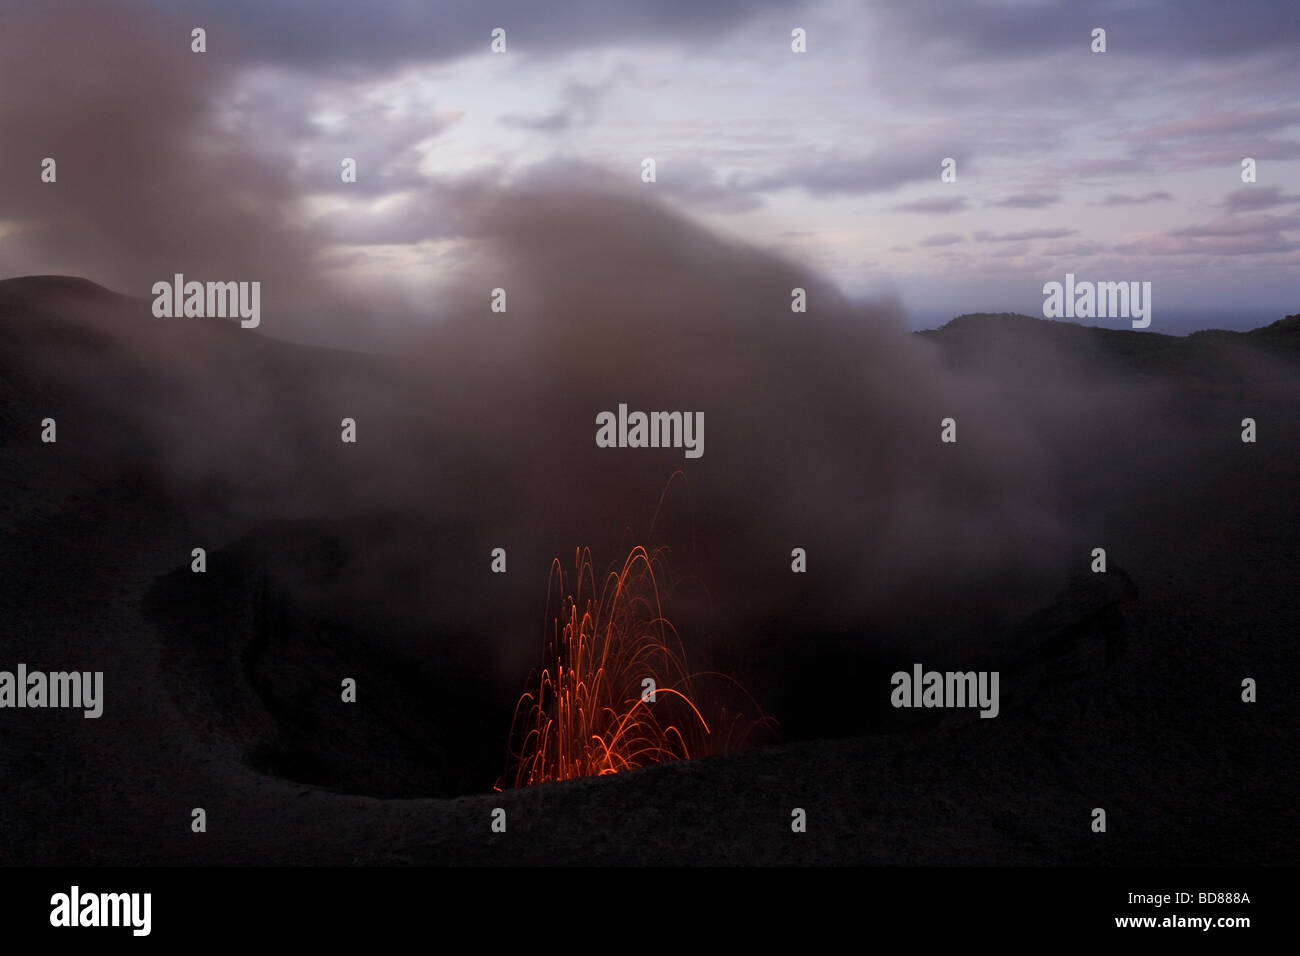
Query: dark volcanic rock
{"type": "Point", "coordinates": [263, 640]}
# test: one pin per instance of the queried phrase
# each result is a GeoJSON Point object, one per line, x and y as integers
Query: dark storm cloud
{"type": "Point", "coordinates": [340, 33]}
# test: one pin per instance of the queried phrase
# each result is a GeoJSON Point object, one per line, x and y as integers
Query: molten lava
{"type": "Point", "coordinates": [615, 693]}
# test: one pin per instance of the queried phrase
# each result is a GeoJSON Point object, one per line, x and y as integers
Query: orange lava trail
{"type": "Point", "coordinates": [590, 712]}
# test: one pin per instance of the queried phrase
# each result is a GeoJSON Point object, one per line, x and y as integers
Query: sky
{"type": "Point", "coordinates": [1115, 166]}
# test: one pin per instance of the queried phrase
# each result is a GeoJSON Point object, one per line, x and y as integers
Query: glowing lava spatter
{"type": "Point", "coordinates": [591, 712]}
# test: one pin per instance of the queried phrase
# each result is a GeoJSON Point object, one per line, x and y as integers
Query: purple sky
{"type": "Point", "coordinates": [1117, 166]}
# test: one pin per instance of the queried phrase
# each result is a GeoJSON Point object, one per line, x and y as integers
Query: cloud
{"type": "Point", "coordinates": [275, 121]}
{"type": "Point", "coordinates": [173, 192]}
{"type": "Point", "coordinates": [614, 297]}
{"type": "Point", "coordinates": [307, 124]}
{"type": "Point", "coordinates": [839, 175]}
{"type": "Point", "coordinates": [1236, 125]}
{"type": "Point", "coordinates": [182, 188]}
{"type": "Point", "coordinates": [579, 102]}
{"type": "Point", "coordinates": [1241, 225]}
{"type": "Point", "coordinates": [998, 32]}
{"type": "Point", "coordinates": [942, 239]}
{"type": "Point", "coordinates": [1023, 235]}
{"type": "Point", "coordinates": [901, 160]}
{"type": "Point", "coordinates": [609, 288]}
{"type": "Point", "coordinates": [1028, 201]}
{"type": "Point", "coordinates": [1105, 166]}
{"type": "Point", "coordinates": [1083, 248]}
{"type": "Point", "coordinates": [1240, 245]}
{"type": "Point", "coordinates": [557, 121]}
{"type": "Point", "coordinates": [1258, 197]}
{"type": "Point", "coordinates": [1215, 153]}
{"type": "Point", "coordinates": [433, 210]}
{"type": "Point", "coordinates": [1121, 199]}
{"type": "Point", "coordinates": [691, 182]}
{"type": "Point", "coordinates": [338, 35]}
{"type": "Point", "coordinates": [1010, 252]}
{"type": "Point", "coordinates": [934, 206]}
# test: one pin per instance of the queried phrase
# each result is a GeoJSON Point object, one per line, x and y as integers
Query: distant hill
{"type": "Point", "coordinates": [47, 288]}
{"type": "Point", "coordinates": [1284, 334]}
{"type": "Point", "coordinates": [1016, 348]}
{"type": "Point", "coordinates": [1034, 350]}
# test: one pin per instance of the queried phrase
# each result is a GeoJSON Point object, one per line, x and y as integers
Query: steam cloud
{"type": "Point", "coordinates": [823, 428]}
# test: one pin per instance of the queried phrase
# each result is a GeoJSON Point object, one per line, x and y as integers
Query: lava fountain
{"type": "Point", "coordinates": [615, 693]}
